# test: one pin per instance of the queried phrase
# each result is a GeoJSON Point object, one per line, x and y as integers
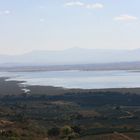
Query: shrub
{"type": "Point", "coordinates": [53, 132]}
{"type": "Point", "coordinates": [66, 130]}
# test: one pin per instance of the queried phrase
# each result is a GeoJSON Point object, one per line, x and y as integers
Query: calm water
{"type": "Point", "coordinates": [79, 79]}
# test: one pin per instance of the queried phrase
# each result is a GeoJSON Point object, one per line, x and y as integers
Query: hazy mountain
{"type": "Point", "coordinates": [71, 56]}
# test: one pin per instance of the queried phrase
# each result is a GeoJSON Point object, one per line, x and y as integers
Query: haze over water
{"type": "Point", "coordinates": [79, 79]}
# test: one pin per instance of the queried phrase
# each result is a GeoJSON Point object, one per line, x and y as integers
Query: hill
{"type": "Point", "coordinates": [71, 56]}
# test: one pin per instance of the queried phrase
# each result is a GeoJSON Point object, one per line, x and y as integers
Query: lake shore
{"type": "Point", "coordinates": [15, 88]}
{"type": "Point", "coordinates": [95, 112]}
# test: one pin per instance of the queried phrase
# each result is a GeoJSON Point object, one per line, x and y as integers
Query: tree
{"type": "Point", "coordinates": [68, 133]}
{"type": "Point", "coordinates": [66, 130]}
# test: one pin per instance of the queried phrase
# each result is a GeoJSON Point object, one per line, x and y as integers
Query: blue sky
{"type": "Point", "coordinates": [28, 25]}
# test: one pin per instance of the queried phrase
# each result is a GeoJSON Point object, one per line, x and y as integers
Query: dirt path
{"type": "Point", "coordinates": [130, 115]}
{"type": "Point", "coordinates": [123, 136]}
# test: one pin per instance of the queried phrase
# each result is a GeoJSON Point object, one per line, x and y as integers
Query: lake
{"type": "Point", "coordinates": [79, 79]}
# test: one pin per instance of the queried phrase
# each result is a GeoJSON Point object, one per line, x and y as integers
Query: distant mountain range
{"type": "Point", "coordinates": [71, 56]}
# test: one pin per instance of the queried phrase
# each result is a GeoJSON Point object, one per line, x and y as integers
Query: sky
{"type": "Point", "coordinates": [30, 25]}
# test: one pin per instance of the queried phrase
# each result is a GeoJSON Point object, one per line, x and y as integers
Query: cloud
{"type": "Point", "coordinates": [76, 3]}
{"type": "Point", "coordinates": [84, 5]}
{"type": "Point", "coordinates": [5, 12]}
{"type": "Point", "coordinates": [95, 6]}
{"type": "Point", "coordinates": [126, 18]}
{"type": "Point", "coordinates": [42, 20]}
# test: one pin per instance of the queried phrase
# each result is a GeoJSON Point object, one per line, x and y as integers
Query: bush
{"type": "Point", "coordinates": [77, 129]}
{"type": "Point", "coordinates": [66, 130]}
{"type": "Point", "coordinates": [14, 138]}
{"type": "Point", "coordinates": [53, 132]}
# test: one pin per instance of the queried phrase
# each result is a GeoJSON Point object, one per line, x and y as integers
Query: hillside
{"type": "Point", "coordinates": [71, 56]}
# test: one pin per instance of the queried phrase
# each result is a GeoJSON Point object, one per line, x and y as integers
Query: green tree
{"type": "Point", "coordinates": [68, 133]}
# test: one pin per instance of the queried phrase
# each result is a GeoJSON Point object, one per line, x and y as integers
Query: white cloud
{"type": "Point", "coordinates": [42, 20]}
{"type": "Point", "coordinates": [76, 3]}
{"type": "Point", "coordinates": [126, 18]}
{"type": "Point", "coordinates": [84, 5]}
{"type": "Point", "coordinates": [95, 6]}
{"type": "Point", "coordinates": [5, 12]}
